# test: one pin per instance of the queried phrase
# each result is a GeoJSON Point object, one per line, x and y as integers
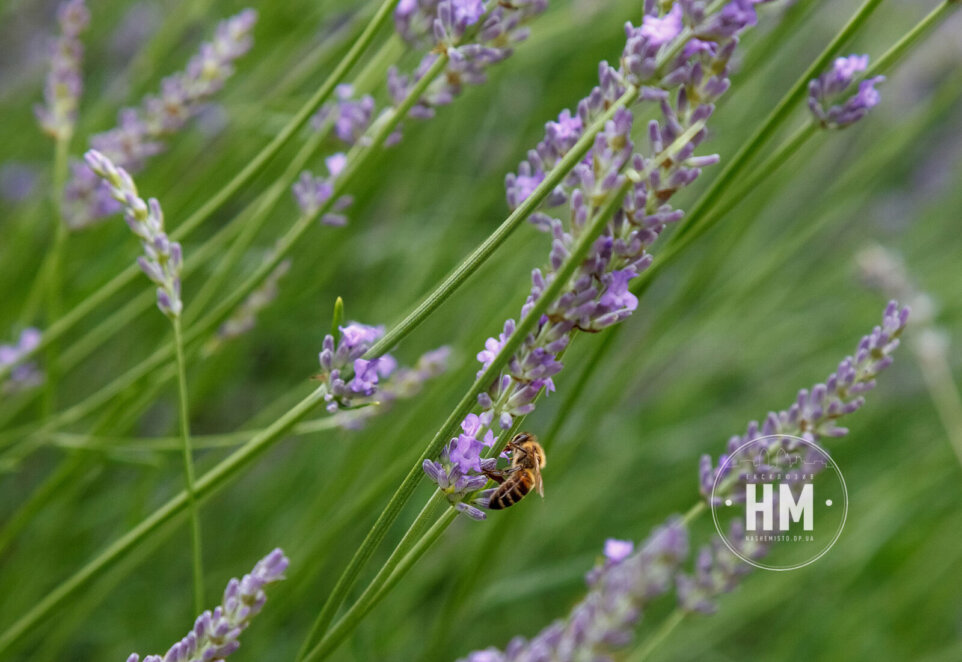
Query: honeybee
{"type": "Point", "coordinates": [527, 461]}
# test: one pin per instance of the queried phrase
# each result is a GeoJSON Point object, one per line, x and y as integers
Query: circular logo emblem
{"type": "Point", "coordinates": [779, 502]}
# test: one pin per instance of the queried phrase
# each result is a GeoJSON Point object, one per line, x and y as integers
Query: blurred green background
{"type": "Point", "coordinates": [766, 303]}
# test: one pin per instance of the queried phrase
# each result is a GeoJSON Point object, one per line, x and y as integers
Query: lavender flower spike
{"type": "Point", "coordinates": [375, 381]}
{"type": "Point", "coordinates": [815, 413]}
{"type": "Point", "coordinates": [138, 134]}
{"type": "Point", "coordinates": [827, 93]}
{"type": "Point", "coordinates": [604, 620]}
{"type": "Point", "coordinates": [216, 634]}
{"type": "Point", "coordinates": [64, 82]}
{"type": "Point", "coordinates": [813, 416]}
{"type": "Point", "coordinates": [162, 259]}
{"type": "Point", "coordinates": [598, 295]}
{"type": "Point", "coordinates": [628, 580]}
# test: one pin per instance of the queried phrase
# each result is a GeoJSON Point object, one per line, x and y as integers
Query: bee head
{"type": "Point", "coordinates": [527, 444]}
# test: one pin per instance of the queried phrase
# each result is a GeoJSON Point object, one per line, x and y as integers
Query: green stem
{"type": "Point", "coordinates": [89, 442]}
{"type": "Point", "coordinates": [414, 533]}
{"type": "Point", "coordinates": [700, 221]}
{"type": "Point", "coordinates": [376, 591]}
{"type": "Point", "coordinates": [240, 180]}
{"type": "Point", "coordinates": [709, 266]}
{"type": "Point", "coordinates": [365, 81]}
{"type": "Point", "coordinates": [415, 474]}
{"type": "Point", "coordinates": [52, 485]}
{"type": "Point", "coordinates": [901, 48]}
{"type": "Point", "coordinates": [664, 631]}
{"type": "Point", "coordinates": [674, 620]}
{"type": "Point", "coordinates": [208, 484]}
{"type": "Point", "coordinates": [510, 347]}
{"type": "Point", "coordinates": [693, 512]}
{"type": "Point", "coordinates": [189, 470]}
{"type": "Point", "coordinates": [574, 394]}
{"type": "Point", "coordinates": [54, 279]}
{"type": "Point", "coordinates": [259, 209]}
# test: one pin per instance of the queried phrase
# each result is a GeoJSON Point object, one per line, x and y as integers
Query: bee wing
{"type": "Point", "coordinates": [538, 484]}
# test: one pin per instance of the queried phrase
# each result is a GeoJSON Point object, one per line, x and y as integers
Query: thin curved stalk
{"type": "Point", "coordinates": [375, 593]}
{"type": "Point", "coordinates": [414, 533]}
{"type": "Point", "coordinates": [54, 281]}
{"type": "Point", "coordinates": [189, 483]}
{"type": "Point", "coordinates": [415, 474]}
{"type": "Point", "coordinates": [88, 442]}
{"type": "Point", "coordinates": [664, 631]}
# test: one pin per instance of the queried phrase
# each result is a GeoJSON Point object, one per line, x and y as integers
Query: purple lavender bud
{"type": "Point", "coordinates": [376, 381]}
{"type": "Point", "coordinates": [162, 259]}
{"type": "Point", "coordinates": [245, 318]}
{"type": "Point", "coordinates": [25, 375]}
{"type": "Point", "coordinates": [312, 193]}
{"type": "Point", "coordinates": [138, 134]}
{"type": "Point", "coordinates": [350, 117]}
{"type": "Point", "coordinates": [64, 83]}
{"type": "Point", "coordinates": [446, 23]}
{"type": "Point", "coordinates": [216, 634]}
{"type": "Point", "coordinates": [660, 31]}
{"type": "Point", "coordinates": [17, 181]}
{"type": "Point", "coordinates": [618, 550]}
{"type": "Point", "coordinates": [829, 98]}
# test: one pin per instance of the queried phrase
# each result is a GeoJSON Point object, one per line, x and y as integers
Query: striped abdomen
{"type": "Point", "coordinates": [512, 490]}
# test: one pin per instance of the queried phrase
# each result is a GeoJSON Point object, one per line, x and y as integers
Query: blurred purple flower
{"type": "Point", "coordinates": [64, 83]}
{"type": "Point", "coordinates": [138, 134]}
{"type": "Point", "coordinates": [216, 633]}
{"type": "Point", "coordinates": [827, 94]}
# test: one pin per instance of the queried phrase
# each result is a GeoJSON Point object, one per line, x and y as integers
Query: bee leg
{"type": "Point", "coordinates": [495, 475]}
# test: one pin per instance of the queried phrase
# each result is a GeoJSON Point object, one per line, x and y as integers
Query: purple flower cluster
{"type": "Point", "coordinates": [350, 117]}
{"type": "Point", "coordinates": [216, 634]}
{"type": "Point", "coordinates": [618, 590]}
{"type": "Point", "coordinates": [717, 570]}
{"type": "Point", "coordinates": [311, 192]}
{"type": "Point", "coordinates": [246, 316]}
{"type": "Point", "coordinates": [473, 34]}
{"type": "Point", "coordinates": [414, 21]}
{"type": "Point", "coordinates": [628, 580]}
{"type": "Point", "coordinates": [370, 384]}
{"type": "Point", "coordinates": [138, 134]}
{"type": "Point", "coordinates": [406, 382]}
{"type": "Point", "coordinates": [829, 96]}
{"type": "Point", "coordinates": [885, 272]}
{"type": "Point", "coordinates": [162, 259]}
{"type": "Point", "coordinates": [64, 83]}
{"type": "Point", "coordinates": [24, 375]}
{"type": "Point", "coordinates": [814, 414]}
{"type": "Point", "coordinates": [473, 37]}
{"type": "Point", "coordinates": [598, 295]}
